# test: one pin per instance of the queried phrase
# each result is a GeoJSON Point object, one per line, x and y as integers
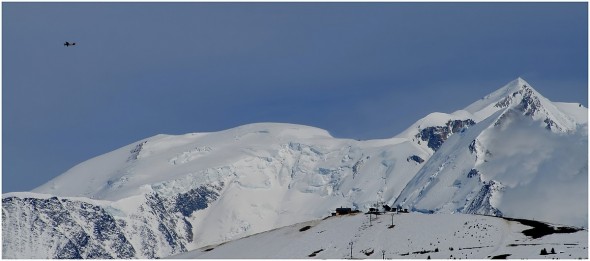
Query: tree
{"type": "Point", "coordinates": [543, 252]}
{"type": "Point", "coordinates": [552, 251]}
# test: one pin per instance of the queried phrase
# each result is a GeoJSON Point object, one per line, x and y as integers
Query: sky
{"type": "Point", "coordinates": [357, 70]}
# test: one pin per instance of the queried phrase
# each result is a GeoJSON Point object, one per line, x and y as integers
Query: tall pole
{"type": "Point", "coordinates": [350, 249]}
{"type": "Point", "coordinates": [383, 251]}
{"type": "Point", "coordinates": [392, 219]}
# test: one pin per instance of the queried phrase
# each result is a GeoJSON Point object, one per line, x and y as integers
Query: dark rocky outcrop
{"type": "Point", "coordinates": [472, 147]}
{"type": "Point", "coordinates": [437, 135]}
{"type": "Point", "coordinates": [135, 151]}
{"type": "Point", "coordinates": [530, 103]}
{"type": "Point", "coordinates": [472, 173]}
{"type": "Point", "coordinates": [196, 199]}
{"type": "Point", "coordinates": [481, 202]}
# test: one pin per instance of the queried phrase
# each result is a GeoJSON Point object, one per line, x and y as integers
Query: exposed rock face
{"type": "Point", "coordinates": [357, 166]}
{"type": "Point", "coordinates": [135, 151]}
{"type": "Point", "coordinates": [472, 173]}
{"type": "Point", "coordinates": [71, 229]}
{"type": "Point", "coordinates": [472, 147]}
{"type": "Point", "coordinates": [195, 199]}
{"type": "Point", "coordinates": [481, 203]}
{"type": "Point", "coordinates": [528, 103]}
{"type": "Point", "coordinates": [74, 229]}
{"type": "Point", "coordinates": [437, 135]}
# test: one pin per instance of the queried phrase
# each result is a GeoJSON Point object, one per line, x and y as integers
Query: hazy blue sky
{"type": "Point", "coordinates": [358, 70]}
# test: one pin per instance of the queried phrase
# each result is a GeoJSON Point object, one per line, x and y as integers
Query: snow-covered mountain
{"type": "Point", "coordinates": [167, 194]}
{"type": "Point", "coordinates": [525, 157]}
{"type": "Point", "coordinates": [514, 153]}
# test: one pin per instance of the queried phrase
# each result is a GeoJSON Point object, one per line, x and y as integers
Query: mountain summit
{"type": "Point", "coordinates": [519, 97]}
{"type": "Point", "coordinates": [513, 153]}
{"type": "Point", "coordinates": [520, 143]}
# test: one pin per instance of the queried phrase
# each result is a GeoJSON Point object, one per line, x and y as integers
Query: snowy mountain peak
{"type": "Point", "coordinates": [528, 102]}
{"type": "Point", "coordinates": [521, 142]}
{"type": "Point", "coordinates": [521, 95]}
{"type": "Point", "coordinates": [515, 85]}
{"type": "Point", "coordinates": [499, 99]}
{"type": "Point", "coordinates": [515, 99]}
{"type": "Point", "coordinates": [491, 99]}
{"type": "Point", "coordinates": [518, 97]}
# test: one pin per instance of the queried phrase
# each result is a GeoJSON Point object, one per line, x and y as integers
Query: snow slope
{"type": "Point", "coordinates": [414, 235]}
{"type": "Point", "coordinates": [527, 158]}
{"type": "Point", "coordinates": [168, 194]}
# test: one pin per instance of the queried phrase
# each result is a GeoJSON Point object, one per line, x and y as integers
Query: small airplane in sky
{"type": "Point", "coordinates": [66, 44]}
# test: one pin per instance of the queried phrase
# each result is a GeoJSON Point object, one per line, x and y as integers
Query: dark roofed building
{"type": "Point", "coordinates": [343, 211]}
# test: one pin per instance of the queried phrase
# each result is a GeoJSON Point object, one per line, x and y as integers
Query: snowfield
{"type": "Point", "coordinates": [414, 235]}
{"type": "Point", "coordinates": [513, 153]}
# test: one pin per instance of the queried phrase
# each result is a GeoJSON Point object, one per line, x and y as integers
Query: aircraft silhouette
{"type": "Point", "coordinates": [66, 44]}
